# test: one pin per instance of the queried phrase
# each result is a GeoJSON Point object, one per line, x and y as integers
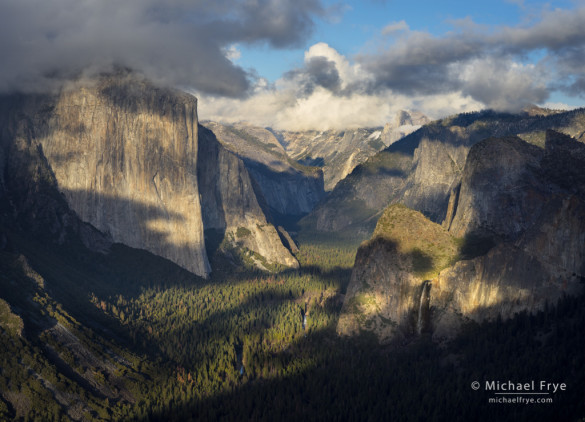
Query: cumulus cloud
{"type": "Point", "coordinates": [328, 92]}
{"type": "Point", "coordinates": [182, 42]}
{"type": "Point", "coordinates": [325, 67]}
{"type": "Point", "coordinates": [232, 53]}
{"type": "Point", "coordinates": [279, 108]}
{"type": "Point", "coordinates": [196, 44]}
{"type": "Point", "coordinates": [503, 84]}
{"type": "Point", "coordinates": [318, 71]}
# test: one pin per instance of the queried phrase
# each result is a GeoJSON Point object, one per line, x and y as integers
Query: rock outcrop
{"type": "Point", "coordinates": [30, 201]}
{"type": "Point", "coordinates": [404, 123]}
{"type": "Point", "coordinates": [499, 171]}
{"type": "Point", "coordinates": [124, 155]}
{"type": "Point", "coordinates": [515, 242]}
{"type": "Point", "coordinates": [389, 289]}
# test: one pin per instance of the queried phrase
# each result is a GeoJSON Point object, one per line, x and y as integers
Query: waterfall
{"type": "Point", "coordinates": [423, 307]}
{"type": "Point", "coordinates": [239, 349]}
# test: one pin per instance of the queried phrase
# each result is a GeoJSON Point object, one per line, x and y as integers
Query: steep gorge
{"type": "Point", "coordinates": [338, 152]}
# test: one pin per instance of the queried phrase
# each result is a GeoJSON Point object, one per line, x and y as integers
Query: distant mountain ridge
{"type": "Point", "coordinates": [338, 152]}
{"type": "Point", "coordinates": [422, 169]}
{"type": "Point", "coordinates": [289, 189]}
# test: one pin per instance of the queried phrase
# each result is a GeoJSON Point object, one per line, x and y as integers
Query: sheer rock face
{"type": "Point", "coordinates": [437, 168]}
{"type": "Point", "coordinates": [500, 191]}
{"type": "Point", "coordinates": [230, 202]}
{"type": "Point", "coordinates": [29, 199]}
{"type": "Point", "coordinates": [124, 155]}
{"type": "Point", "coordinates": [289, 189]}
{"type": "Point", "coordinates": [520, 231]}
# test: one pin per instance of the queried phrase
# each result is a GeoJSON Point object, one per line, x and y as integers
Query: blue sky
{"type": "Point", "coordinates": [357, 25]}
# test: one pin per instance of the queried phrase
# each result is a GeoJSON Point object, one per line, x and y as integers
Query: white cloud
{"type": "Point", "coordinates": [232, 53]}
{"type": "Point", "coordinates": [350, 74]}
{"type": "Point", "coordinates": [501, 83]}
{"type": "Point", "coordinates": [394, 27]}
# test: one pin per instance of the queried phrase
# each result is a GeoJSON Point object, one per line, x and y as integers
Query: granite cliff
{"type": "Point", "coordinates": [124, 155]}
{"type": "Point", "coordinates": [513, 242]}
{"type": "Point", "coordinates": [231, 202]}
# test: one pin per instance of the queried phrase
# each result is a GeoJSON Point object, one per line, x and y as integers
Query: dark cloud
{"type": "Point", "coordinates": [421, 64]}
{"type": "Point", "coordinates": [555, 31]}
{"type": "Point", "coordinates": [318, 71]}
{"type": "Point", "coordinates": [323, 72]}
{"type": "Point", "coordinates": [576, 87]}
{"type": "Point", "coordinates": [180, 42]}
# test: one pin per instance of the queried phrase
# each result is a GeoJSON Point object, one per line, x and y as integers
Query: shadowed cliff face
{"type": "Point", "coordinates": [500, 190]}
{"type": "Point", "coordinates": [517, 233]}
{"type": "Point", "coordinates": [124, 154]}
{"type": "Point", "coordinates": [288, 188]}
{"type": "Point", "coordinates": [30, 202]}
{"type": "Point", "coordinates": [231, 204]}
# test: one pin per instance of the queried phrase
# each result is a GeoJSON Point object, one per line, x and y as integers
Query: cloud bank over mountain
{"type": "Point", "coordinates": [43, 42]}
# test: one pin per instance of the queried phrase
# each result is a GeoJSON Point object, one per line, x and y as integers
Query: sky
{"type": "Point", "coordinates": [309, 64]}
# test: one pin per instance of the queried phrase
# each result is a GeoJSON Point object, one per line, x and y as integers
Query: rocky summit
{"type": "Point", "coordinates": [512, 242]}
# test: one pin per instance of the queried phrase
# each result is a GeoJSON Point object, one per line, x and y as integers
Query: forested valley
{"type": "Point", "coordinates": [89, 337]}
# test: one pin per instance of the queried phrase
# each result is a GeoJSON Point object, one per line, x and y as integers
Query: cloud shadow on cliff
{"type": "Point", "coordinates": [317, 387]}
{"type": "Point", "coordinates": [147, 223]}
{"type": "Point", "coordinates": [476, 243]}
{"type": "Point", "coordinates": [41, 211]}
